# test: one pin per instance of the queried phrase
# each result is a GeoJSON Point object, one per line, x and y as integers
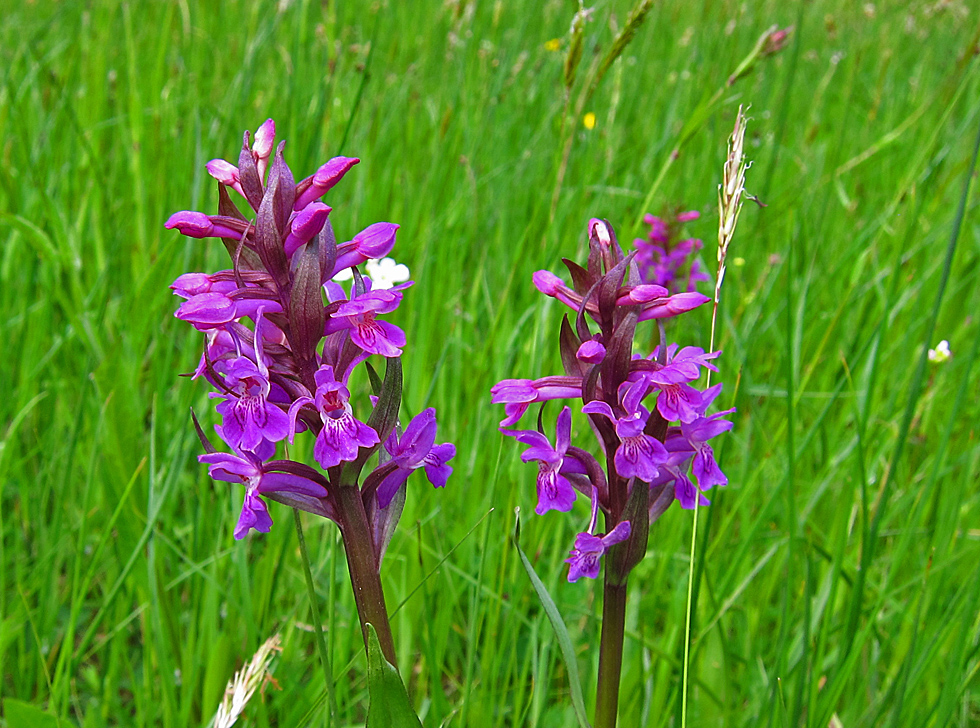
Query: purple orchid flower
{"type": "Point", "coordinates": [226, 173]}
{"type": "Point", "coordinates": [358, 315]}
{"type": "Point", "coordinates": [674, 472]}
{"type": "Point", "coordinates": [583, 560]}
{"type": "Point", "coordinates": [697, 434]}
{"type": "Point", "coordinates": [555, 492]}
{"type": "Point", "coordinates": [638, 454]}
{"type": "Point", "coordinates": [249, 418]}
{"type": "Point", "coordinates": [518, 394]}
{"type": "Point", "coordinates": [262, 144]}
{"type": "Point", "coordinates": [249, 468]}
{"type": "Point", "coordinates": [591, 352]}
{"type": "Point", "coordinates": [415, 449]}
{"type": "Point", "coordinates": [677, 399]}
{"type": "Point", "coordinates": [342, 435]}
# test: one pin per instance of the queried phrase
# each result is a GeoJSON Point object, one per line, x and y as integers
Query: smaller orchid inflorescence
{"type": "Point", "coordinates": [649, 452]}
{"type": "Point", "coordinates": [665, 259]}
{"type": "Point", "coordinates": [282, 342]}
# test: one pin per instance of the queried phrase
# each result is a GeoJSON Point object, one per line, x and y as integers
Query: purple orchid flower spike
{"type": "Point", "coordinates": [415, 449]}
{"type": "Point", "coordinates": [647, 459]}
{"type": "Point", "coordinates": [280, 358]}
{"type": "Point", "coordinates": [667, 261]}
{"type": "Point", "coordinates": [249, 468]}
{"type": "Point", "coordinates": [555, 492]}
{"type": "Point", "coordinates": [631, 401]}
{"type": "Point", "coordinates": [583, 560]}
{"type": "Point", "coordinates": [638, 455]}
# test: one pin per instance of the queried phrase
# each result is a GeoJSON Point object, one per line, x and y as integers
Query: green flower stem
{"type": "Point", "coordinates": [317, 624]}
{"type": "Point", "coordinates": [610, 650]}
{"type": "Point", "coordinates": [363, 567]}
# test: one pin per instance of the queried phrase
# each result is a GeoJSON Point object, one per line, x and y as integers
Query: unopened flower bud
{"type": "Point", "coordinates": [198, 225]}
{"type": "Point", "coordinates": [598, 230]}
{"type": "Point", "coordinates": [313, 188]}
{"type": "Point", "coordinates": [226, 173]}
{"type": "Point", "coordinates": [591, 352]}
{"type": "Point", "coordinates": [374, 241]}
{"type": "Point", "coordinates": [191, 284]}
{"type": "Point", "coordinates": [547, 282]}
{"type": "Point", "coordinates": [305, 225]}
{"type": "Point", "coordinates": [776, 41]}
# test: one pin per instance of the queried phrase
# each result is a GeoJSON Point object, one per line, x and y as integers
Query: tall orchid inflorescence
{"type": "Point", "coordinates": [282, 344]}
{"type": "Point", "coordinates": [652, 425]}
{"type": "Point", "coordinates": [665, 259]}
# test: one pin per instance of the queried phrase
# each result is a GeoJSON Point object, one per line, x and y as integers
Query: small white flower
{"type": "Point", "coordinates": [345, 275]}
{"type": "Point", "coordinates": [386, 273]}
{"type": "Point", "coordinates": [941, 353]}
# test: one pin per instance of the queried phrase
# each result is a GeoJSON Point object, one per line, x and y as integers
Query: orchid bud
{"type": "Point", "coordinates": [226, 173]}
{"type": "Point", "coordinates": [265, 137]}
{"type": "Point", "coordinates": [306, 225]}
{"type": "Point", "coordinates": [313, 188]}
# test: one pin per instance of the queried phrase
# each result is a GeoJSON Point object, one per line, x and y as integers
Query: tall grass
{"type": "Point", "coordinates": [837, 573]}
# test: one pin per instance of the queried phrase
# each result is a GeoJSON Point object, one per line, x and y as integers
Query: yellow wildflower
{"type": "Point", "coordinates": [588, 121]}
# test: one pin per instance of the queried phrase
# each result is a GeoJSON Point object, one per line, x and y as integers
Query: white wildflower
{"type": "Point", "coordinates": [383, 273]}
{"type": "Point", "coordinates": [386, 273]}
{"type": "Point", "coordinates": [941, 353]}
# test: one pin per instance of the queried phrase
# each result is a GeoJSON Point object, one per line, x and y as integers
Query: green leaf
{"type": "Point", "coordinates": [561, 632]}
{"type": "Point", "coordinates": [389, 707]}
{"type": "Point", "coordinates": [24, 715]}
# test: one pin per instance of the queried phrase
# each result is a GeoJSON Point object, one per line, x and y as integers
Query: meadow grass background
{"type": "Point", "coordinates": [837, 573]}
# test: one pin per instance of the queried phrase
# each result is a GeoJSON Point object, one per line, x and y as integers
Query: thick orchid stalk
{"type": "Point", "coordinates": [652, 427]}
{"type": "Point", "coordinates": [282, 342]}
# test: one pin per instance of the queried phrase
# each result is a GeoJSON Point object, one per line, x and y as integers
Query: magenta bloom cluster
{"type": "Point", "coordinates": [650, 419]}
{"type": "Point", "coordinates": [282, 343]}
{"type": "Point", "coordinates": [666, 259]}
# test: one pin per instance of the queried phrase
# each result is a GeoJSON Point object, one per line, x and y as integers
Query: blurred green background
{"type": "Point", "coordinates": [837, 573]}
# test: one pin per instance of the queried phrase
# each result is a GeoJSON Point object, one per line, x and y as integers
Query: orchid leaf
{"type": "Point", "coordinates": [558, 624]}
{"type": "Point", "coordinates": [390, 707]}
{"type": "Point", "coordinates": [24, 715]}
